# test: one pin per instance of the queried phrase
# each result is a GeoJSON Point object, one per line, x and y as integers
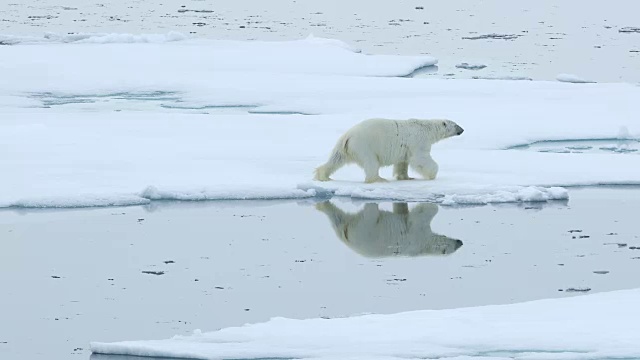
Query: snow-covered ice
{"type": "Point", "coordinates": [121, 122]}
{"type": "Point", "coordinates": [570, 78]}
{"type": "Point", "coordinates": [96, 38]}
{"type": "Point", "coordinates": [162, 58]}
{"type": "Point", "coordinates": [594, 326]}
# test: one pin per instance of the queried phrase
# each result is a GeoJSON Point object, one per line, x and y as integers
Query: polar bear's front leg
{"type": "Point", "coordinates": [425, 166]}
{"type": "Point", "coordinates": [401, 171]}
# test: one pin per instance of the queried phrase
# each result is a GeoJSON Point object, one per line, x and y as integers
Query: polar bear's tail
{"type": "Point", "coordinates": [337, 159]}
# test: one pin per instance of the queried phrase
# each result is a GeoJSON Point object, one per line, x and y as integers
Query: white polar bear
{"type": "Point", "coordinates": [375, 143]}
{"type": "Point", "coordinates": [376, 233]}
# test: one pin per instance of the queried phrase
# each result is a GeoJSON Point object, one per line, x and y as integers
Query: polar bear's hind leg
{"type": "Point", "coordinates": [371, 168]}
{"type": "Point", "coordinates": [338, 159]}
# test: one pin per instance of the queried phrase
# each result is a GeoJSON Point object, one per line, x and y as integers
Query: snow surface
{"type": "Point", "coordinates": [597, 326]}
{"type": "Point", "coordinates": [184, 59]}
{"type": "Point", "coordinates": [570, 78]}
{"type": "Point", "coordinates": [92, 124]}
{"type": "Point", "coordinates": [96, 38]}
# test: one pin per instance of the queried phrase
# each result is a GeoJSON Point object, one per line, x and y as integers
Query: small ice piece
{"type": "Point", "coordinates": [468, 66]}
{"type": "Point", "coordinates": [620, 149]}
{"type": "Point", "coordinates": [578, 289]}
{"type": "Point", "coordinates": [492, 36]}
{"type": "Point", "coordinates": [629, 29]}
{"type": "Point", "coordinates": [570, 78]}
{"type": "Point", "coordinates": [526, 194]}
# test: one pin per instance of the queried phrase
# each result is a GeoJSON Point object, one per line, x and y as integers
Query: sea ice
{"type": "Point", "coordinates": [93, 124]}
{"type": "Point", "coordinates": [582, 327]}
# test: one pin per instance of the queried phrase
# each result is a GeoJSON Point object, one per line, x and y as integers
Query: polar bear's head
{"type": "Point", "coordinates": [449, 128]}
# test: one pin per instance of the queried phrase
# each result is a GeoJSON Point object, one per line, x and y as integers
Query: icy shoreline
{"type": "Point", "coordinates": [584, 327]}
{"type": "Point", "coordinates": [304, 191]}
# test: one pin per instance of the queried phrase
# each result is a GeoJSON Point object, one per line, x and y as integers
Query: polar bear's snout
{"type": "Point", "coordinates": [451, 246]}
{"type": "Point", "coordinates": [459, 130]}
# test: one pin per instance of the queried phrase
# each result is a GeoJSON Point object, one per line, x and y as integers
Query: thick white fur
{"type": "Point", "coordinates": [375, 143]}
{"type": "Point", "coordinates": [374, 233]}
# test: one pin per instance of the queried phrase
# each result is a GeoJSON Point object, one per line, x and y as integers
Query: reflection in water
{"type": "Point", "coordinates": [378, 233]}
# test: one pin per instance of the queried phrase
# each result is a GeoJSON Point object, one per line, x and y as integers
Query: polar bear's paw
{"type": "Point", "coordinates": [375, 180]}
{"type": "Point", "coordinates": [321, 174]}
{"type": "Point", "coordinates": [404, 177]}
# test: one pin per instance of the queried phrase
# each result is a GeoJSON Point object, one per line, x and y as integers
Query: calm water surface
{"type": "Point", "coordinates": [74, 276]}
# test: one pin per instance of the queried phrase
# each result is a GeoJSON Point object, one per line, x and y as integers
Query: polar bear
{"type": "Point", "coordinates": [377, 233]}
{"type": "Point", "coordinates": [375, 143]}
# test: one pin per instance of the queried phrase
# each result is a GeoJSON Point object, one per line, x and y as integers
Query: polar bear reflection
{"type": "Point", "coordinates": [378, 233]}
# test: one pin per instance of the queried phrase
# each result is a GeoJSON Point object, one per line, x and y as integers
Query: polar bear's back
{"type": "Point", "coordinates": [373, 128]}
{"type": "Point", "coordinates": [386, 139]}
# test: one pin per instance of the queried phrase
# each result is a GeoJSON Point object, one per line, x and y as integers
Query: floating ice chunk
{"type": "Point", "coordinates": [420, 191]}
{"type": "Point", "coordinates": [492, 36]}
{"type": "Point", "coordinates": [578, 327]}
{"type": "Point", "coordinates": [570, 78]}
{"type": "Point", "coordinates": [468, 66]}
{"type": "Point", "coordinates": [227, 193]}
{"type": "Point", "coordinates": [629, 29]}
{"type": "Point", "coordinates": [527, 194]}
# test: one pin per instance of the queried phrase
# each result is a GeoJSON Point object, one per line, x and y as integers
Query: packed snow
{"type": "Point", "coordinates": [87, 123]}
{"type": "Point", "coordinates": [597, 326]}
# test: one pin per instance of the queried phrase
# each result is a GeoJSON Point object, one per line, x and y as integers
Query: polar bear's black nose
{"type": "Point", "coordinates": [458, 244]}
{"type": "Point", "coordinates": [459, 130]}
